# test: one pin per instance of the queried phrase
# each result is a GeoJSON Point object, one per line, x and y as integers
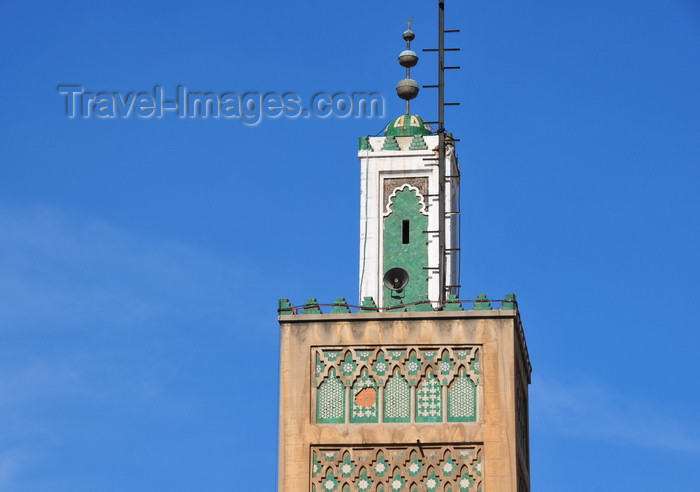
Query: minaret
{"type": "Point", "coordinates": [414, 390]}
{"type": "Point", "coordinates": [400, 216]}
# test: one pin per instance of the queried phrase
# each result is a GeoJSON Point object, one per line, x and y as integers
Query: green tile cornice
{"type": "Point", "coordinates": [390, 143]}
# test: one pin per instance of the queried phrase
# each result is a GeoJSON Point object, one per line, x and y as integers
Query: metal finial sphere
{"type": "Point", "coordinates": [407, 89]}
{"type": "Point", "coordinates": [408, 58]}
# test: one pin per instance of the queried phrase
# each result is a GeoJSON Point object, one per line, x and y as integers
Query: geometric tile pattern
{"type": "Point", "coordinates": [405, 243]}
{"type": "Point", "coordinates": [372, 378]}
{"type": "Point", "coordinates": [391, 185]}
{"type": "Point", "coordinates": [462, 400]}
{"type": "Point", "coordinates": [396, 467]}
{"type": "Point", "coordinates": [429, 400]}
{"type": "Point", "coordinates": [397, 397]}
{"type": "Point", "coordinates": [331, 400]}
{"type": "Point", "coordinates": [364, 402]}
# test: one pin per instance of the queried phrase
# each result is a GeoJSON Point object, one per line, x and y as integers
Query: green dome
{"type": "Point", "coordinates": [407, 125]}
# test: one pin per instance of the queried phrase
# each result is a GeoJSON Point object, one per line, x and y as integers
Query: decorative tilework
{"type": "Point", "coordinates": [429, 400]}
{"type": "Point", "coordinates": [418, 143]}
{"type": "Point", "coordinates": [405, 243]}
{"type": "Point", "coordinates": [390, 143]}
{"type": "Point", "coordinates": [461, 406]}
{"type": "Point", "coordinates": [367, 375]}
{"type": "Point", "coordinates": [392, 185]}
{"type": "Point", "coordinates": [331, 400]}
{"type": "Point", "coordinates": [397, 397]}
{"type": "Point", "coordinates": [365, 400]}
{"type": "Point", "coordinates": [397, 467]}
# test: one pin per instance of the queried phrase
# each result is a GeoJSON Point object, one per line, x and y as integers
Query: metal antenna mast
{"type": "Point", "coordinates": [442, 150]}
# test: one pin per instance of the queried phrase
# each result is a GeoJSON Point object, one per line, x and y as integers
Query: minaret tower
{"type": "Point", "coordinates": [413, 390]}
{"type": "Point", "coordinates": [401, 220]}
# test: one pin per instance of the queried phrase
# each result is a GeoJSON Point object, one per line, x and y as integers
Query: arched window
{"type": "Point", "coordinates": [330, 407]}
{"type": "Point", "coordinates": [461, 399]}
{"type": "Point", "coordinates": [429, 400]}
{"type": "Point", "coordinates": [397, 399]}
{"type": "Point", "coordinates": [364, 400]}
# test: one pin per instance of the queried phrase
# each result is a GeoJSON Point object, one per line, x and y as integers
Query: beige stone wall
{"type": "Point", "coordinates": [503, 360]}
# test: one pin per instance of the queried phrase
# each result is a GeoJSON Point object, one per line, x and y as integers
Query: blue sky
{"type": "Point", "coordinates": [141, 259]}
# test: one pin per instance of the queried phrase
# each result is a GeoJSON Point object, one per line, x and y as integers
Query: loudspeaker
{"type": "Point", "coordinates": [396, 279]}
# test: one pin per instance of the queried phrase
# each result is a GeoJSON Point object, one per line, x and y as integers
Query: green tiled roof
{"type": "Point", "coordinates": [407, 125]}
